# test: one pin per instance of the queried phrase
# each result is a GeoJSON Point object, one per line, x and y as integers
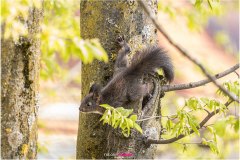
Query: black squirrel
{"type": "Point", "coordinates": [126, 85]}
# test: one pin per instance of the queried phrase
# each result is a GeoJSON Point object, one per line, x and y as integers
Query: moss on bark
{"type": "Point", "coordinates": [19, 94]}
{"type": "Point", "coordinates": [106, 20]}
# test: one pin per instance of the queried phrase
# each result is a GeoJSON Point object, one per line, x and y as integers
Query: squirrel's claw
{"type": "Point", "coordinates": [120, 40]}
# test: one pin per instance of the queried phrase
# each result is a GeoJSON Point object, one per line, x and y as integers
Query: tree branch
{"type": "Point", "coordinates": [150, 118]}
{"type": "Point", "coordinates": [185, 53]}
{"type": "Point", "coordinates": [189, 143]}
{"type": "Point", "coordinates": [167, 88]}
{"type": "Point", "coordinates": [203, 122]}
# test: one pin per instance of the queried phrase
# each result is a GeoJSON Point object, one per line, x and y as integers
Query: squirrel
{"type": "Point", "coordinates": [126, 85]}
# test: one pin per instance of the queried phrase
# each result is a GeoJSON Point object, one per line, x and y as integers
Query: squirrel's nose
{"type": "Point", "coordinates": [80, 108]}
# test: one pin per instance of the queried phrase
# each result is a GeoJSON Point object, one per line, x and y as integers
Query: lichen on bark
{"type": "Point", "coordinates": [106, 20]}
{"type": "Point", "coordinates": [20, 75]}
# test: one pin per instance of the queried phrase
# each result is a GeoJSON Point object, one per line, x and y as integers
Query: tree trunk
{"type": "Point", "coordinates": [19, 95]}
{"type": "Point", "coordinates": [106, 20]}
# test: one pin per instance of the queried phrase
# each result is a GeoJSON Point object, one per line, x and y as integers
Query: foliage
{"type": "Point", "coordinates": [233, 87]}
{"type": "Point", "coordinates": [14, 16]}
{"type": "Point", "coordinates": [187, 120]}
{"type": "Point", "coordinates": [197, 15]}
{"type": "Point", "coordinates": [120, 118]}
{"type": "Point", "coordinates": [60, 36]}
{"type": "Point", "coordinates": [203, 10]}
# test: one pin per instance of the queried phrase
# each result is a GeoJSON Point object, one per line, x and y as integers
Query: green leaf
{"type": "Point", "coordinates": [211, 104]}
{"type": "Point", "coordinates": [104, 116]}
{"type": "Point", "coordinates": [212, 144]}
{"type": "Point", "coordinates": [213, 147]}
{"type": "Point", "coordinates": [127, 112]}
{"type": "Point", "coordinates": [210, 129]}
{"type": "Point", "coordinates": [194, 128]}
{"type": "Point", "coordinates": [113, 118]}
{"type": "Point", "coordinates": [192, 103]}
{"type": "Point", "coordinates": [177, 129]}
{"type": "Point", "coordinates": [180, 115]}
{"type": "Point", "coordinates": [85, 54]}
{"type": "Point", "coordinates": [215, 137]}
{"type": "Point", "coordinates": [130, 122]}
{"type": "Point", "coordinates": [220, 127]}
{"type": "Point", "coordinates": [205, 100]}
{"type": "Point", "coordinates": [123, 125]}
{"type": "Point", "coordinates": [133, 118]}
{"type": "Point", "coordinates": [194, 125]}
{"type": "Point", "coordinates": [198, 3]}
{"type": "Point", "coordinates": [118, 117]}
{"type": "Point", "coordinates": [236, 125]}
{"type": "Point", "coordinates": [137, 127]}
{"type": "Point", "coordinates": [180, 130]}
{"type": "Point", "coordinates": [204, 141]}
{"type": "Point", "coordinates": [120, 110]}
{"type": "Point", "coordinates": [223, 108]}
{"type": "Point", "coordinates": [121, 122]}
{"type": "Point", "coordinates": [106, 106]}
{"type": "Point", "coordinates": [124, 132]}
{"type": "Point", "coordinates": [127, 124]}
{"type": "Point", "coordinates": [106, 120]}
{"type": "Point", "coordinates": [117, 123]}
{"type": "Point", "coordinates": [233, 87]}
{"type": "Point", "coordinates": [100, 50]}
{"type": "Point", "coordinates": [168, 125]}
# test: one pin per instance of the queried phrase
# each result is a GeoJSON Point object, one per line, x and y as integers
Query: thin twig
{"type": "Point", "coordinates": [185, 53]}
{"type": "Point", "coordinates": [167, 88]}
{"type": "Point", "coordinates": [206, 111]}
{"type": "Point", "coordinates": [149, 118]}
{"type": "Point", "coordinates": [174, 116]}
{"type": "Point", "coordinates": [188, 143]}
{"type": "Point", "coordinates": [152, 117]}
{"type": "Point", "coordinates": [236, 73]}
{"type": "Point", "coordinates": [203, 122]}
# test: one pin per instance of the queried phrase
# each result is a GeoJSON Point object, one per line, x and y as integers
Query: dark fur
{"type": "Point", "coordinates": [126, 85]}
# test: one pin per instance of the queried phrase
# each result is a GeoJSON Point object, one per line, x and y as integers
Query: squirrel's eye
{"type": "Point", "coordinates": [89, 103]}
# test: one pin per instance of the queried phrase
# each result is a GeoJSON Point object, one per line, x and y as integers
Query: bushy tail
{"type": "Point", "coordinates": [149, 60]}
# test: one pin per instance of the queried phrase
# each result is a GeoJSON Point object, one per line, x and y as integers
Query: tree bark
{"type": "Point", "coordinates": [19, 95]}
{"type": "Point", "coordinates": [106, 20]}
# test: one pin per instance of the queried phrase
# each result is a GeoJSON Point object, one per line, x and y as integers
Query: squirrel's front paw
{"type": "Point", "coordinates": [120, 40]}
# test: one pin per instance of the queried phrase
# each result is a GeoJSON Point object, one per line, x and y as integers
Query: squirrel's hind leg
{"type": "Point", "coordinates": [136, 92]}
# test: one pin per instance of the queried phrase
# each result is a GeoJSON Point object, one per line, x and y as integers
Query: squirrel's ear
{"type": "Point", "coordinates": [96, 90]}
{"type": "Point", "coordinates": [95, 87]}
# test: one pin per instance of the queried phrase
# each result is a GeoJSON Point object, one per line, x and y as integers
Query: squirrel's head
{"type": "Point", "coordinates": [91, 102]}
